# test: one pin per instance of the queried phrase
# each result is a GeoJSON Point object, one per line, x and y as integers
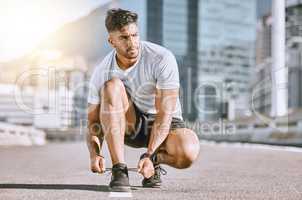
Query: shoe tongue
{"type": "Point", "coordinates": [119, 166]}
{"type": "Point", "coordinates": [119, 169]}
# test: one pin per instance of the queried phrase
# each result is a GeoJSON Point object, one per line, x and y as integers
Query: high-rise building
{"type": "Point", "coordinates": [214, 44]}
{"type": "Point", "coordinates": [174, 24]}
{"type": "Point", "coordinates": [226, 40]}
{"type": "Point", "coordinates": [263, 8]}
{"type": "Point", "coordinates": [260, 100]}
{"type": "Point", "coordinates": [261, 85]}
{"type": "Point", "coordinates": [262, 79]}
{"type": "Point", "coordinates": [264, 39]}
{"type": "Point", "coordinates": [294, 49]}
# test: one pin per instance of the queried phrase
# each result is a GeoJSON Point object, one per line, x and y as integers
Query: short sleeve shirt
{"type": "Point", "coordinates": [156, 67]}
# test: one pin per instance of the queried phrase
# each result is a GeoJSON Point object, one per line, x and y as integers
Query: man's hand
{"type": "Point", "coordinates": [145, 167]}
{"type": "Point", "coordinates": [97, 164]}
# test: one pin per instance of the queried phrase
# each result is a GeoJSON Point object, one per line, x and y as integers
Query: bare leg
{"type": "Point", "coordinates": [113, 113]}
{"type": "Point", "coordinates": [180, 149]}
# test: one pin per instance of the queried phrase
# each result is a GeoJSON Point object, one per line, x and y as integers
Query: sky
{"type": "Point", "coordinates": [23, 24]}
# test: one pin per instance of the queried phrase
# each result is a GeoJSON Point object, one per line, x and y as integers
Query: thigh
{"type": "Point", "coordinates": [178, 140]}
{"type": "Point", "coordinates": [115, 89]}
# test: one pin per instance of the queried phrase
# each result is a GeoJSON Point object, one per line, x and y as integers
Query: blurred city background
{"type": "Point", "coordinates": [240, 65]}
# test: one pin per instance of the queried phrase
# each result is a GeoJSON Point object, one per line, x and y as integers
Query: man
{"type": "Point", "coordinates": [133, 100]}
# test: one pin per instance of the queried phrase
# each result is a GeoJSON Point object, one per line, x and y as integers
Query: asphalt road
{"type": "Point", "coordinates": [61, 171]}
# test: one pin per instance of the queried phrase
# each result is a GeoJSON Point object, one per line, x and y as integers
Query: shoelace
{"type": "Point", "coordinates": [108, 171]}
{"type": "Point", "coordinates": [129, 169]}
{"type": "Point", "coordinates": [161, 171]}
{"type": "Point", "coordinates": [133, 169]}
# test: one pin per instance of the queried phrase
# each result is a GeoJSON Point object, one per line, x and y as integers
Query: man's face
{"type": "Point", "coordinates": [126, 41]}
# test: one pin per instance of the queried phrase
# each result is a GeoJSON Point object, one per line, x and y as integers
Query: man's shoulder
{"type": "Point", "coordinates": [155, 50]}
{"type": "Point", "coordinates": [106, 61]}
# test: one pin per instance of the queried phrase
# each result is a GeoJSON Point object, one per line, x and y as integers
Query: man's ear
{"type": "Point", "coordinates": [110, 42]}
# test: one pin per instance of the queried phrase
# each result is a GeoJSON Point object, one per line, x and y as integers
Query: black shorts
{"type": "Point", "coordinates": [144, 122]}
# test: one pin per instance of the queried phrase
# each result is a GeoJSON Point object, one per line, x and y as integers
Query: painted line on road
{"type": "Point", "coordinates": [120, 195]}
{"type": "Point", "coordinates": [256, 146]}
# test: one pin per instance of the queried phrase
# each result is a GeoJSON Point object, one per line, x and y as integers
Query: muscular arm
{"type": "Point", "coordinates": [165, 103]}
{"type": "Point", "coordinates": [94, 136]}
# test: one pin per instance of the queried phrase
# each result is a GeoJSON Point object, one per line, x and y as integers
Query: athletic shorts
{"type": "Point", "coordinates": [144, 122]}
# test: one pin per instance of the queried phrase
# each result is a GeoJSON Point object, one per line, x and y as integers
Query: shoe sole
{"type": "Point", "coordinates": [120, 189]}
{"type": "Point", "coordinates": [156, 185]}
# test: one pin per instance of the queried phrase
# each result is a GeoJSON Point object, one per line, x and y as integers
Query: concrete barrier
{"type": "Point", "coordinates": [65, 135]}
{"type": "Point", "coordinates": [11, 134]}
{"type": "Point", "coordinates": [253, 133]}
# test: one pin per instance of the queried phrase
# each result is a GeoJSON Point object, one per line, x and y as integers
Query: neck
{"type": "Point", "coordinates": [125, 63]}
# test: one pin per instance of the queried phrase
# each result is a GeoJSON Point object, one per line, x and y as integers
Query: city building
{"type": "Point", "coordinates": [44, 109]}
{"type": "Point", "coordinates": [54, 109]}
{"type": "Point", "coordinates": [47, 96]}
{"type": "Point", "coordinates": [174, 24]}
{"type": "Point", "coordinates": [264, 39]}
{"type": "Point", "coordinates": [214, 45]}
{"type": "Point", "coordinates": [260, 100]}
{"type": "Point", "coordinates": [226, 51]}
{"type": "Point", "coordinates": [294, 55]}
{"type": "Point", "coordinates": [14, 104]}
{"type": "Point", "coordinates": [263, 8]}
{"type": "Point", "coordinates": [261, 89]}
{"type": "Point", "coordinates": [63, 97]}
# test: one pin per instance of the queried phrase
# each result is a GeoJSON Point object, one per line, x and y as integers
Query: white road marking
{"type": "Point", "coordinates": [120, 194]}
{"type": "Point", "coordinates": [255, 146]}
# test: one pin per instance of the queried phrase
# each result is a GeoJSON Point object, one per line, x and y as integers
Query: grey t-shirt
{"type": "Point", "coordinates": [155, 68]}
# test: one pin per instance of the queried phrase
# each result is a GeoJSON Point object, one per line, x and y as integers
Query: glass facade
{"type": "Point", "coordinates": [294, 62]}
{"type": "Point", "coordinates": [173, 24]}
{"type": "Point", "coordinates": [226, 45]}
{"type": "Point", "coordinates": [263, 7]}
{"type": "Point", "coordinates": [213, 40]}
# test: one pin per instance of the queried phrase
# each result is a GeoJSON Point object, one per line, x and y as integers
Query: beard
{"type": "Point", "coordinates": [131, 53]}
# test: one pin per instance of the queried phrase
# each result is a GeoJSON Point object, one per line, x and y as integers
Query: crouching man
{"type": "Point", "coordinates": [134, 100]}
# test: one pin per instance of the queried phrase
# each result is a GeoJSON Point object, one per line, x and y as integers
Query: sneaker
{"type": "Point", "coordinates": [119, 179]}
{"type": "Point", "coordinates": [155, 180]}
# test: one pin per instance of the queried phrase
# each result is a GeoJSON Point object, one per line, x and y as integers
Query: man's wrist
{"type": "Point", "coordinates": [93, 155]}
{"type": "Point", "coordinates": [100, 155]}
{"type": "Point", "coordinates": [145, 155]}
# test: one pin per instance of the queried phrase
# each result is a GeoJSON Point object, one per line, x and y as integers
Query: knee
{"type": "Point", "coordinates": [189, 150]}
{"type": "Point", "coordinates": [189, 155]}
{"type": "Point", "coordinates": [113, 85]}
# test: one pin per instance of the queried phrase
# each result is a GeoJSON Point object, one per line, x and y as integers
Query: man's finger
{"type": "Point", "coordinates": [103, 169]}
{"type": "Point", "coordinates": [95, 168]}
{"type": "Point", "coordinates": [102, 166]}
{"type": "Point", "coordinates": [140, 166]}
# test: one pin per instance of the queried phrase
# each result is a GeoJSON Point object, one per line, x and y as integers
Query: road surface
{"type": "Point", "coordinates": [61, 171]}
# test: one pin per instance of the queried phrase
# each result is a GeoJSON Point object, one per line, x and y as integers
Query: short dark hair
{"type": "Point", "coordinates": [118, 18]}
